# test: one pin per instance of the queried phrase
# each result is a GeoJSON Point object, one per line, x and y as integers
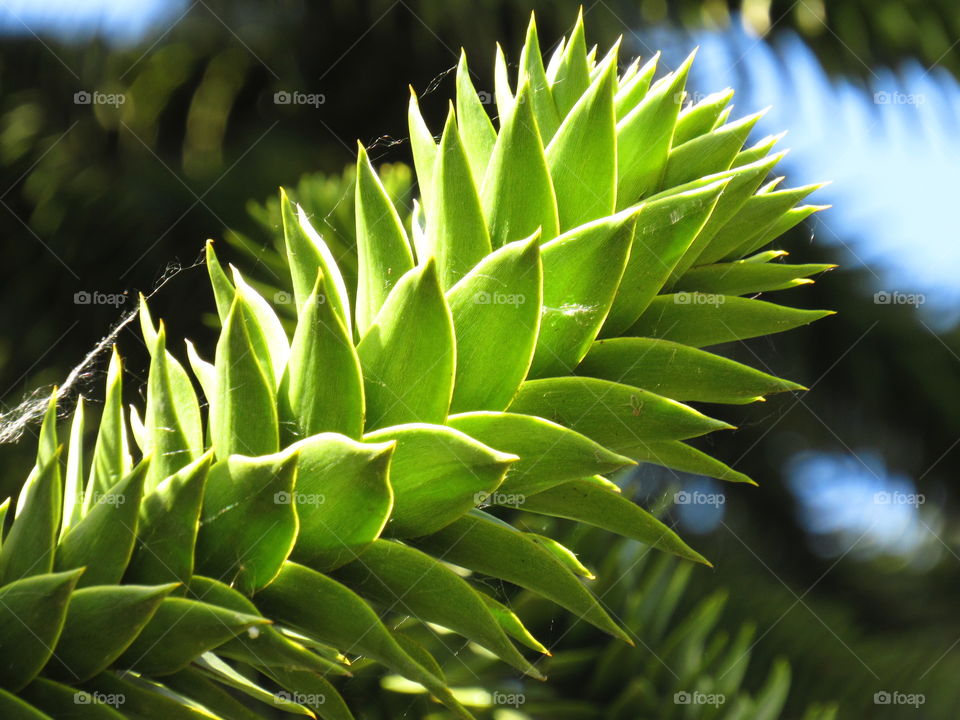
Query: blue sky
{"type": "Point", "coordinates": [119, 20]}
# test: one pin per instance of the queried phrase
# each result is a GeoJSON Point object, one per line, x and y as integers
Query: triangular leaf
{"type": "Point", "coordinates": [409, 377]}
{"type": "Point", "coordinates": [496, 318]}
{"type": "Point", "coordinates": [550, 454]}
{"type": "Point", "coordinates": [437, 473]}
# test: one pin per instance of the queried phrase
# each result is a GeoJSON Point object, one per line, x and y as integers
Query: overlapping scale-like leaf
{"type": "Point", "coordinates": [581, 273]}
{"type": "Point", "coordinates": [396, 575]}
{"type": "Point", "coordinates": [248, 524]}
{"type": "Point", "coordinates": [679, 371]}
{"type": "Point", "coordinates": [437, 474]}
{"type": "Point", "coordinates": [517, 192]}
{"type": "Point", "coordinates": [702, 319]}
{"type": "Point", "coordinates": [550, 454]}
{"type": "Point", "coordinates": [617, 416]}
{"type": "Point", "coordinates": [383, 250]}
{"type": "Point", "coordinates": [456, 233]}
{"type": "Point", "coordinates": [496, 310]}
{"type": "Point", "coordinates": [408, 377]}
{"type": "Point", "coordinates": [480, 542]}
{"type": "Point", "coordinates": [339, 616]}
{"type": "Point", "coordinates": [343, 497]}
{"type": "Point", "coordinates": [322, 385]}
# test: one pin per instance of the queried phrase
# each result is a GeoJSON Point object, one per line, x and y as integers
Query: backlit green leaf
{"type": "Point", "coordinates": [501, 86]}
{"type": "Point", "coordinates": [745, 278]}
{"type": "Point", "coordinates": [172, 417]}
{"type": "Point", "coordinates": [589, 503]}
{"type": "Point", "coordinates": [383, 251]}
{"type": "Point", "coordinates": [644, 136]}
{"type": "Point", "coordinates": [328, 703]}
{"type": "Point", "coordinates": [677, 455]}
{"type": "Point", "coordinates": [322, 386]}
{"type": "Point", "coordinates": [582, 156]}
{"type": "Point", "coordinates": [343, 498]}
{"type": "Point", "coordinates": [789, 219]}
{"type": "Point", "coordinates": [59, 700]}
{"type": "Point", "coordinates": [111, 460]}
{"type": "Point", "coordinates": [701, 320]}
{"type": "Point", "coordinates": [615, 415]}
{"type": "Point", "coordinates": [223, 290]}
{"type": "Point", "coordinates": [550, 454]}
{"type": "Point", "coordinates": [757, 215]}
{"type": "Point", "coordinates": [517, 192]}
{"type": "Point", "coordinates": [476, 130]}
{"type": "Point", "coordinates": [141, 697]}
{"type": "Point", "coordinates": [103, 540]}
{"type": "Point", "coordinates": [180, 631]}
{"type": "Point", "coordinates": [496, 318]}
{"type": "Point", "coordinates": [437, 474]}
{"type": "Point", "coordinates": [201, 688]}
{"type": "Point", "coordinates": [456, 231]}
{"type": "Point", "coordinates": [424, 149]}
{"type": "Point", "coordinates": [248, 523]}
{"type": "Point", "coordinates": [306, 251]}
{"type": "Point", "coordinates": [699, 119]}
{"type": "Point", "coordinates": [331, 612]}
{"type": "Point", "coordinates": [710, 153]}
{"type": "Point", "coordinates": [74, 478]}
{"type": "Point", "coordinates": [633, 88]}
{"type": "Point", "coordinates": [408, 377]}
{"type": "Point", "coordinates": [101, 623]}
{"type": "Point", "coordinates": [270, 343]}
{"type": "Point", "coordinates": [564, 554]}
{"type": "Point", "coordinates": [742, 182]}
{"type": "Point", "coordinates": [679, 371]}
{"type": "Point", "coordinates": [244, 417]}
{"type": "Point", "coordinates": [264, 647]}
{"type": "Point", "coordinates": [28, 548]}
{"type": "Point", "coordinates": [665, 230]}
{"type": "Point", "coordinates": [223, 672]}
{"type": "Point", "coordinates": [531, 67]}
{"type": "Point", "coordinates": [511, 624]}
{"type": "Point", "coordinates": [581, 273]}
{"type": "Point", "coordinates": [167, 533]}
{"type": "Point", "coordinates": [483, 544]}
{"type": "Point", "coordinates": [573, 72]}
{"type": "Point", "coordinates": [32, 611]}
{"type": "Point", "coordinates": [409, 581]}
